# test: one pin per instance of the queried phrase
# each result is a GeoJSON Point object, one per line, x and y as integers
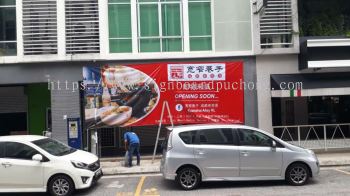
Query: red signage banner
{"type": "Point", "coordinates": [133, 95]}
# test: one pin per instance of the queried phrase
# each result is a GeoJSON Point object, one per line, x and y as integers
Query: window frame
{"type": "Point", "coordinates": [211, 36]}
{"type": "Point", "coordinates": [160, 36]}
{"type": "Point", "coordinates": [13, 6]}
{"type": "Point", "coordinates": [109, 27]}
{"type": "Point", "coordinates": [2, 150]}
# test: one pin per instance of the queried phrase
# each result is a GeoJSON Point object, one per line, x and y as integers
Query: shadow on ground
{"type": "Point", "coordinates": [77, 192]}
{"type": "Point", "coordinates": [173, 186]}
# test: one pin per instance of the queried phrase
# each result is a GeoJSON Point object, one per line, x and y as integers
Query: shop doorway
{"type": "Point", "coordinates": [311, 110]}
{"type": "Point", "coordinates": [313, 122]}
{"type": "Point", "coordinates": [13, 110]}
{"type": "Point", "coordinates": [112, 140]}
{"type": "Point", "coordinates": [25, 109]}
{"type": "Point", "coordinates": [13, 123]}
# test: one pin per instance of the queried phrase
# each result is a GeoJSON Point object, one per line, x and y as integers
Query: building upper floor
{"type": "Point", "coordinates": [74, 30]}
{"type": "Point", "coordinates": [324, 34]}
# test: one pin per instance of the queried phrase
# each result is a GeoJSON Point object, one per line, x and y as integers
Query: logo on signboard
{"type": "Point", "coordinates": [179, 107]}
{"type": "Point", "coordinates": [177, 72]}
{"type": "Point", "coordinates": [197, 72]}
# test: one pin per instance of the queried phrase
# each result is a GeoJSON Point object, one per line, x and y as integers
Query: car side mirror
{"type": "Point", "coordinates": [273, 144]}
{"type": "Point", "coordinates": [37, 157]}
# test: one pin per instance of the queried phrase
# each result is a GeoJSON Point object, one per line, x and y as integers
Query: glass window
{"type": "Point", "coordinates": [54, 147]}
{"type": "Point", "coordinates": [200, 25]}
{"type": "Point", "coordinates": [188, 137]}
{"type": "Point", "coordinates": [2, 149]}
{"type": "Point", "coordinates": [119, 18]}
{"type": "Point", "coordinates": [253, 138]}
{"type": "Point", "coordinates": [171, 25]}
{"type": "Point", "coordinates": [160, 25]}
{"type": "Point", "coordinates": [8, 44]}
{"type": "Point", "coordinates": [7, 2]}
{"type": "Point", "coordinates": [16, 150]}
{"type": "Point", "coordinates": [216, 137]}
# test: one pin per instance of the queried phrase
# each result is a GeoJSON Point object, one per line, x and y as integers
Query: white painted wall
{"type": "Point", "coordinates": [265, 66]}
{"type": "Point", "coordinates": [233, 25]}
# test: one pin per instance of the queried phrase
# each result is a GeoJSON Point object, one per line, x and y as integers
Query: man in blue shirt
{"type": "Point", "coordinates": [132, 145]}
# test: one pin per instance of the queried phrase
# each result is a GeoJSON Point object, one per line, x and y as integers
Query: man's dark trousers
{"type": "Point", "coordinates": [134, 149]}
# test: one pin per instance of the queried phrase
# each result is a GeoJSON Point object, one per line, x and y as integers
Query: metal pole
{"type": "Point", "coordinates": [87, 139]}
{"type": "Point", "coordinates": [159, 127]}
{"type": "Point", "coordinates": [325, 137]}
{"type": "Point", "coordinates": [170, 116]}
{"type": "Point", "coordinates": [299, 140]}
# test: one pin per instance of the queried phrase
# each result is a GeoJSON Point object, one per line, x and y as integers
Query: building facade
{"type": "Point", "coordinates": [45, 44]}
{"type": "Point", "coordinates": [313, 112]}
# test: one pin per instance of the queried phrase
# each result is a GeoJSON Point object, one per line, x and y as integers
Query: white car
{"type": "Point", "coordinates": [40, 164]}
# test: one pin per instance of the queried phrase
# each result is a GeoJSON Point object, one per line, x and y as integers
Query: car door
{"type": "Point", "coordinates": [257, 156]}
{"type": "Point", "coordinates": [2, 168]}
{"type": "Point", "coordinates": [18, 170]}
{"type": "Point", "coordinates": [217, 153]}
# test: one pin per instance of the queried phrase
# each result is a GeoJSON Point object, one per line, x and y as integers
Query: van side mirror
{"type": "Point", "coordinates": [273, 144]}
{"type": "Point", "coordinates": [37, 157]}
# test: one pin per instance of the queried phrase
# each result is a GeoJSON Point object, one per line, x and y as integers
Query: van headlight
{"type": "Point", "coordinates": [311, 152]}
{"type": "Point", "coordinates": [80, 165]}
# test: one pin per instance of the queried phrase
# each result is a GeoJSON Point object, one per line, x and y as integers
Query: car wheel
{"type": "Point", "coordinates": [61, 185]}
{"type": "Point", "coordinates": [188, 178]}
{"type": "Point", "coordinates": [298, 174]}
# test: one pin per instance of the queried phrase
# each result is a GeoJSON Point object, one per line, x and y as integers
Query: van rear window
{"type": "Point", "coordinates": [188, 137]}
{"type": "Point", "coordinates": [2, 149]}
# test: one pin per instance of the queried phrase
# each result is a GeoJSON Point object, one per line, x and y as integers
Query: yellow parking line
{"type": "Point", "coordinates": [139, 186]}
{"type": "Point", "coordinates": [344, 172]}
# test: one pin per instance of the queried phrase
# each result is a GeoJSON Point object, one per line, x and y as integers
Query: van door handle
{"type": "Point", "coordinates": [245, 153]}
{"type": "Point", "coordinates": [7, 164]}
{"type": "Point", "coordinates": [200, 152]}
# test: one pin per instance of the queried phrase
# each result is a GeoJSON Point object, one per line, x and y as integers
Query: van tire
{"type": "Point", "coordinates": [188, 178]}
{"type": "Point", "coordinates": [297, 174]}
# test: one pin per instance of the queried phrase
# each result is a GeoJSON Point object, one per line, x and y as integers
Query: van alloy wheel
{"type": "Point", "coordinates": [188, 178]}
{"type": "Point", "coordinates": [298, 174]}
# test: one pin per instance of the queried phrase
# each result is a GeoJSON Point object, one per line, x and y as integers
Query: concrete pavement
{"type": "Point", "coordinates": [115, 166]}
{"type": "Point", "coordinates": [334, 159]}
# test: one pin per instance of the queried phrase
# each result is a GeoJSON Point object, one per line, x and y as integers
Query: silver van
{"type": "Point", "coordinates": [196, 153]}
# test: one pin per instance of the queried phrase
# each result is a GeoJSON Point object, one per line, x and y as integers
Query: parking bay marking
{"type": "Point", "coordinates": [115, 184]}
{"type": "Point", "coordinates": [151, 192]}
{"type": "Point", "coordinates": [344, 172]}
{"type": "Point", "coordinates": [139, 186]}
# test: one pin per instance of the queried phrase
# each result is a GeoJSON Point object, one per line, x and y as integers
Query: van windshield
{"type": "Point", "coordinates": [54, 147]}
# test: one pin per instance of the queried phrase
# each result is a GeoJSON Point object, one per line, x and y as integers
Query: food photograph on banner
{"type": "Point", "coordinates": [133, 95]}
{"type": "Point", "coordinates": [118, 95]}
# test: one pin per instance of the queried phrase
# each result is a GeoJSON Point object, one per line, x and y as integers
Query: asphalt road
{"type": "Point", "coordinates": [332, 181]}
